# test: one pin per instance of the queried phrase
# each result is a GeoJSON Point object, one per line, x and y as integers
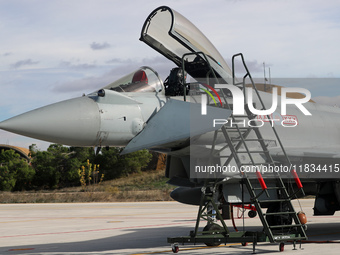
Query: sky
{"type": "Point", "coordinates": [59, 49]}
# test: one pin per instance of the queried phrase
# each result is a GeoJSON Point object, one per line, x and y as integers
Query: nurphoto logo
{"type": "Point", "coordinates": [239, 103]}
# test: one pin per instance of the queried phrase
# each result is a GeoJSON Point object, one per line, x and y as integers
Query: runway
{"type": "Point", "coordinates": [135, 228]}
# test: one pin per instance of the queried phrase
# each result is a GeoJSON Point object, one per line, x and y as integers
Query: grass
{"type": "Point", "coordinates": [145, 186]}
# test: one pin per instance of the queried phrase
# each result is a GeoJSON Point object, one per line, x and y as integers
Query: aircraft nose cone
{"type": "Point", "coordinates": [73, 122]}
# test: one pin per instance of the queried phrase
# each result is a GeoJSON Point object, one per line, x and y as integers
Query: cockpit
{"type": "Point", "coordinates": [179, 40]}
{"type": "Point", "coordinates": [145, 79]}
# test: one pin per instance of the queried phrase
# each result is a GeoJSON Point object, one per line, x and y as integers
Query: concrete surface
{"type": "Point", "coordinates": [134, 228]}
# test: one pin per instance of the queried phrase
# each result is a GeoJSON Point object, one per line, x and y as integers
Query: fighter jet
{"type": "Point", "coordinates": [190, 116]}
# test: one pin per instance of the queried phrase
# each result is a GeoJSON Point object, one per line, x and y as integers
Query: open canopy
{"type": "Point", "coordinates": [173, 35]}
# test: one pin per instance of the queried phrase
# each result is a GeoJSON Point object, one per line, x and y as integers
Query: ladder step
{"type": "Point", "coordinates": [247, 140]}
{"type": "Point", "coordinates": [236, 128]}
{"type": "Point", "coordinates": [296, 238]}
{"type": "Point", "coordinates": [270, 188]}
{"type": "Point", "coordinates": [240, 132]}
{"type": "Point", "coordinates": [252, 151]}
{"type": "Point", "coordinates": [251, 164]}
{"type": "Point", "coordinates": [286, 226]}
{"type": "Point", "coordinates": [239, 116]}
{"type": "Point", "coordinates": [279, 213]}
{"type": "Point", "coordinates": [275, 200]}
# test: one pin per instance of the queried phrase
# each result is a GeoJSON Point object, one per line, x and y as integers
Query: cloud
{"type": "Point", "coordinates": [90, 84]}
{"type": "Point", "coordinates": [253, 66]}
{"type": "Point", "coordinates": [119, 61]}
{"type": "Point", "coordinates": [67, 64]}
{"type": "Point", "coordinates": [122, 67]}
{"type": "Point", "coordinates": [6, 54]}
{"type": "Point", "coordinates": [99, 46]}
{"type": "Point", "coordinates": [26, 62]}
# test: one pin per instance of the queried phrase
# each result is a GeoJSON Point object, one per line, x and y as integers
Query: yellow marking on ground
{"type": "Point", "coordinates": [22, 249]}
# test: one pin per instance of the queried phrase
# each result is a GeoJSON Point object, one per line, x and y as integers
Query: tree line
{"type": "Point", "coordinates": [59, 166]}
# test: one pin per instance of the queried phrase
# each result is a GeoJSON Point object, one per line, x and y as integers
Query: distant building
{"type": "Point", "coordinates": [23, 152]}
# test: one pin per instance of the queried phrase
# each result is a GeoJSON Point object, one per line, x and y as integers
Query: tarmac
{"type": "Point", "coordinates": [137, 228]}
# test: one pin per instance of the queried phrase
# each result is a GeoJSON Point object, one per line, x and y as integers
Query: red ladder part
{"type": "Point", "coordinates": [247, 207]}
{"type": "Point", "coordinates": [260, 178]}
{"type": "Point", "coordinates": [297, 179]}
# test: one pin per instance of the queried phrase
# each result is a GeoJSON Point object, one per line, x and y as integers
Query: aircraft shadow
{"type": "Point", "coordinates": [134, 239]}
{"type": "Point", "coordinates": [151, 238]}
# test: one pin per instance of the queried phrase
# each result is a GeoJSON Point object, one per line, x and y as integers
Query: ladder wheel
{"type": "Point", "coordinates": [252, 214]}
{"type": "Point", "coordinates": [214, 229]}
{"type": "Point", "coordinates": [175, 248]}
{"type": "Point", "coordinates": [281, 247]}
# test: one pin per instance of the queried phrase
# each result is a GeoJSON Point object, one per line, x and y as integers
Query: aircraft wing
{"type": "Point", "coordinates": [176, 121]}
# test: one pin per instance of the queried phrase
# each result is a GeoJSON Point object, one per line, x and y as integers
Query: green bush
{"type": "Point", "coordinates": [58, 166]}
{"type": "Point", "coordinates": [55, 168]}
{"type": "Point", "coordinates": [115, 165]}
{"type": "Point", "coordinates": [15, 172]}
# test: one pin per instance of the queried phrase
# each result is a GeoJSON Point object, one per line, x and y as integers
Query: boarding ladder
{"type": "Point", "coordinates": [237, 139]}
{"type": "Point", "coordinates": [239, 146]}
